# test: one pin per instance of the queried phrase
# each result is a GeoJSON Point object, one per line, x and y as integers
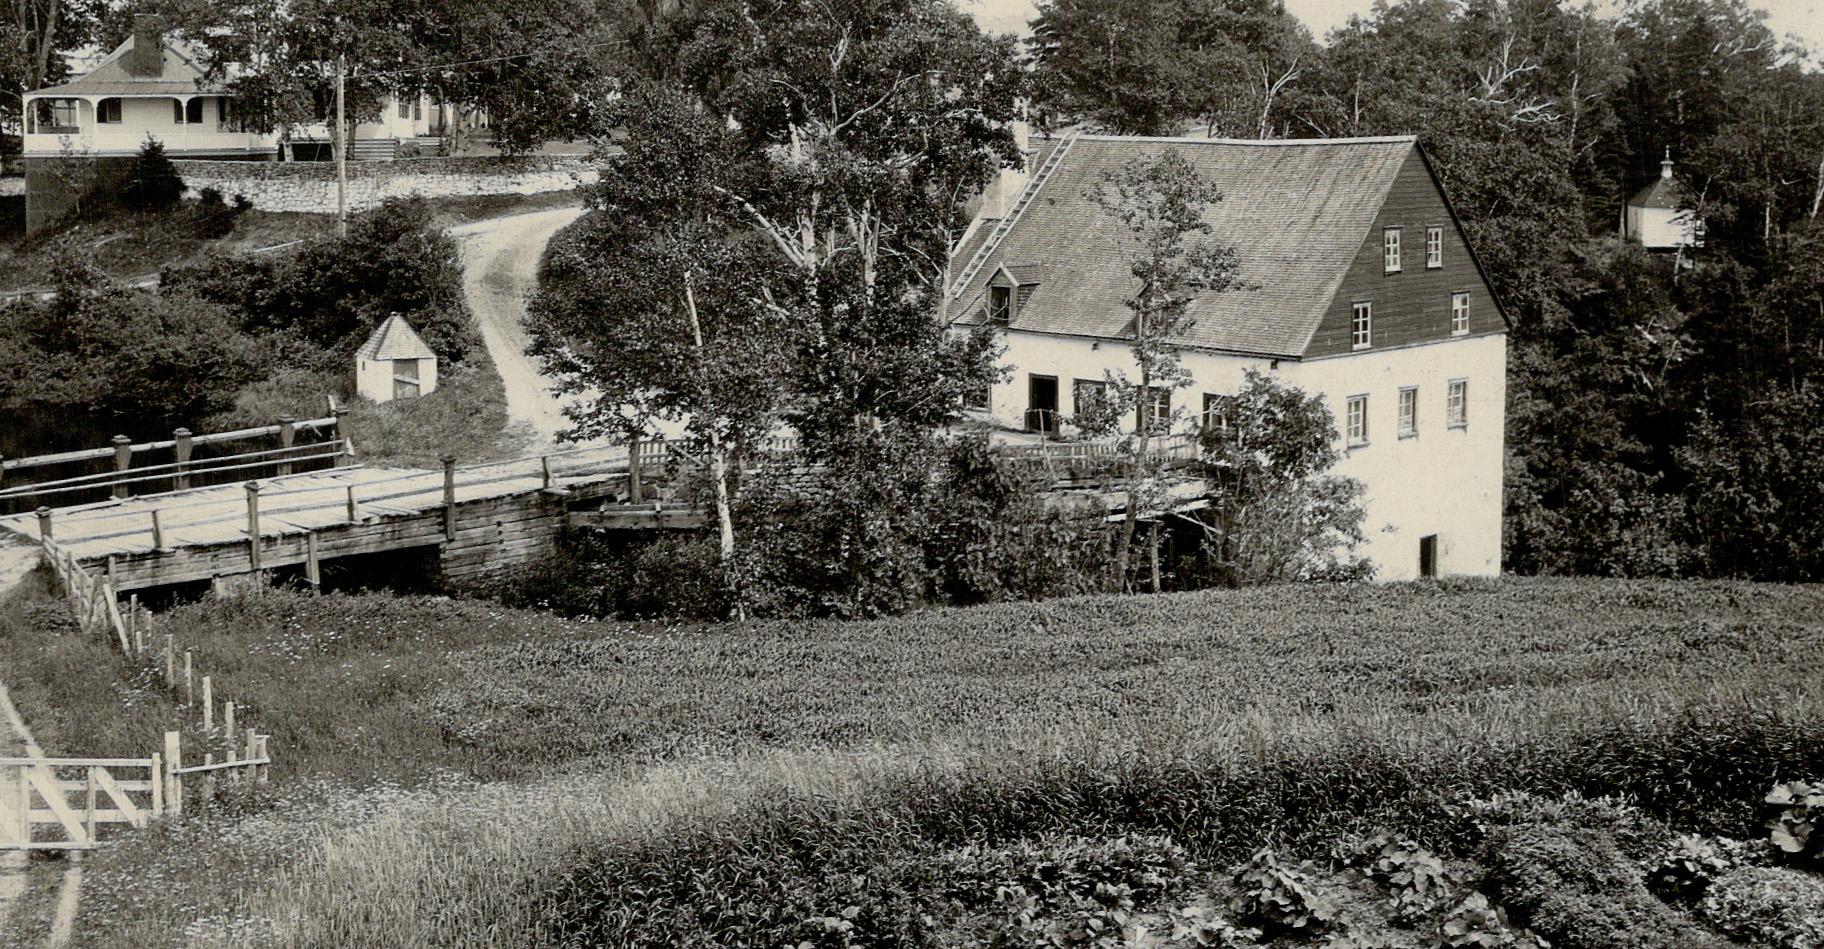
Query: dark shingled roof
{"type": "Point", "coordinates": [1296, 211]}
{"type": "Point", "coordinates": [1662, 193]}
{"type": "Point", "coordinates": [181, 75]}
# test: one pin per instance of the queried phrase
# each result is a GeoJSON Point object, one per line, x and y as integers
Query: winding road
{"type": "Point", "coordinates": [500, 258]}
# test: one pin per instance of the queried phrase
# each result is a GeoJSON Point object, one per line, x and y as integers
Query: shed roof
{"type": "Point", "coordinates": [181, 74]}
{"type": "Point", "coordinates": [395, 339]}
{"type": "Point", "coordinates": [1296, 211]}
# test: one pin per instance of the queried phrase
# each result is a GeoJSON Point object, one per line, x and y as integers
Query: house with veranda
{"type": "Point", "coordinates": [1356, 283]}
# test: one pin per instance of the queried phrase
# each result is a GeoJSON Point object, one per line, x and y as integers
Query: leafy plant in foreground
{"type": "Point", "coordinates": [1279, 897]}
{"type": "Point", "coordinates": [1795, 829]}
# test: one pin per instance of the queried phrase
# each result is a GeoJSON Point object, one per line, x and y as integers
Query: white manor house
{"type": "Point", "coordinates": [1356, 283]}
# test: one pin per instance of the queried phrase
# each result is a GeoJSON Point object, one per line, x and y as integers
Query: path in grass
{"type": "Point", "coordinates": [500, 259]}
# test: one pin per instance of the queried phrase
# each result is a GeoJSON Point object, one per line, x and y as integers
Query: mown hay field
{"type": "Point", "coordinates": [450, 770]}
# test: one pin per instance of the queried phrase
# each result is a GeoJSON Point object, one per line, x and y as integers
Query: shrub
{"type": "Point", "coordinates": [1768, 905]}
{"type": "Point", "coordinates": [154, 184]}
{"type": "Point", "coordinates": [1686, 867]}
{"type": "Point", "coordinates": [1280, 898]}
{"type": "Point", "coordinates": [1795, 829]}
{"type": "Point", "coordinates": [209, 217]}
{"type": "Point", "coordinates": [1574, 886]}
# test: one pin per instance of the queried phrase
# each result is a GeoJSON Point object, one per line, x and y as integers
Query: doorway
{"type": "Point", "coordinates": [1042, 404]}
{"type": "Point", "coordinates": [1428, 556]}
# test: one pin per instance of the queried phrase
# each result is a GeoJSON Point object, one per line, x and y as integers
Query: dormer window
{"type": "Point", "coordinates": [1000, 304]}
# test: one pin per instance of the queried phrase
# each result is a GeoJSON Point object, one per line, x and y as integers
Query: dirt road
{"type": "Point", "coordinates": [500, 258]}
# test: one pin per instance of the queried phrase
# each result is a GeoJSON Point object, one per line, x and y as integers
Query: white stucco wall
{"type": "Point", "coordinates": [374, 378]}
{"type": "Point", "coordinates": [1440, 481]}
{"type": "Point", "coordinates": [1659, 228]}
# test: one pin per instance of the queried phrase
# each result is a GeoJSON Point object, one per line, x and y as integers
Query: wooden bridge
{"type": "Point", "coordinates": [477, 519]}
{"type": "Point", "coordinates": [474, 520]}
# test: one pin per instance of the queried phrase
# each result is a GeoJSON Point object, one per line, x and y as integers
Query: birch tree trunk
{"type": "Point", "coordinates": [718, 454]}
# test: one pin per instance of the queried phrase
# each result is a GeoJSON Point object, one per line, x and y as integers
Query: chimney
{"type": "Point", "coordinates": [147, 57]}
{"type": "Point", "coordinates": [1665, 167]}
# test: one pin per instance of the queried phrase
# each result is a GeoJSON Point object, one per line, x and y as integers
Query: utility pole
{"type": "Point", "coordinates": [341, 149]}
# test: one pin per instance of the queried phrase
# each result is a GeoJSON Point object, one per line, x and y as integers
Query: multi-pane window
{"type": "Point", "coordinates": [107, 111]}
{"type": "Point", "coordinates": [1456, 404]}
{"type": "Point", "coordinates": [54, 114]}
{"type": "Point", "coordinates": [1362, 335]}
{"type": "Point", "coordinates": [1409, 411]}
{"type": "Point", "coordinates": [1459, 313]}
{"type": "Point", "coordinates": [1357, 431]}
{"type": "Point", "coordinates": [1218, 411]}
{"type": "Point", "coordinates": [1155, 410]}
{"type": "Point", "coordinates": [1390, 248]}
{"type": "Point", "coordinates": [1434, 247]}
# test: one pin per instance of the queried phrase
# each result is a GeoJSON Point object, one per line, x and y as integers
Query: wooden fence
{"type": "Point", "coordinates": [99, 612]}
{"type": "Point", "coordinates": [41, 791]}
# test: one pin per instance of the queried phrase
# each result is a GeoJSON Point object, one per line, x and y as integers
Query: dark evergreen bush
{"type": "Point", "coordinates": [154, 184]}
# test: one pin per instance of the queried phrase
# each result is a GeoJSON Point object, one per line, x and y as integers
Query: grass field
{"type": "Point", "coordinates": [453, 763]}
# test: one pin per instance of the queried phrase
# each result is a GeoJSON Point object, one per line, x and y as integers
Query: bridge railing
{"type": "Point", "coordinates": [325, 445]}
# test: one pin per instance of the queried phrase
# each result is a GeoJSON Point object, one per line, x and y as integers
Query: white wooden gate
{"type": "Point", "coordinates": [62, 803]}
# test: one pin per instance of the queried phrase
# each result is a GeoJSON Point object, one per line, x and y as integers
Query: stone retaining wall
{"type": "Point", "coordinates": [311, 186]}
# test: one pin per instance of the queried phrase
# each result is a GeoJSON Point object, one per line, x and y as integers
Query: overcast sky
{"type": "Point", "coordinates": [1803, 17]}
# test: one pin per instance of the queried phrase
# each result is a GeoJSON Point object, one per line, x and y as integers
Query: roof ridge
{"type": "Point", "coordinates": [1265, 142]}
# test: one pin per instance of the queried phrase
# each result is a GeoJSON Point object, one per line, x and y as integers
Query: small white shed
{"type": "Point", "coordinates": [1659, 216]}
{"type": "Point", "coordinates": [395, 363]}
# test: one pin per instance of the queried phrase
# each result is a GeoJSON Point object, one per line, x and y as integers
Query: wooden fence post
{"type": "Point", "coordinates": [44, 523]}
{"type": "Point", "coordinates": [252, 772]}
{"type": "Point", "coordinates": [123, 459]}
{"type": "Point", "coordinates": [633, 470]}
{"type": "Point", "coordinates": [449, 496]}
{"type": "Point", "coordinates": [312, 571]}
{"type": "Point", "coordinates": [156, 777]}
{"type": "Point", "coordinates": [288, 433]}
{"type": "Point", "coordinates": [261, 753]}
{"type": "Point", "coordinates": [89, 804]}
{"type": "Point", "coordinates": [341, 457]}
{"type": "Point", "coordinates": [208, 705]}
{"type": "Point", "coordinates": [351, 504]}
{"type": "Point", "coordinates": [158, 532]}
{"type": "Point", "coordinates": [25, 805]}
{"type": "Point", "coordinates": [181, 451]}
{"type": "Point", "coordinates": [170, 660]}
{"type": "Point", "coordinates": [228, 721]}
{"type": "Point", "coordinates": [253, 525]}
{"type": "Point", "coordinates": [545, 463]}
{"type": "Point", "coordinates": [174, 782]}
{"type": "Point", "coordinates": [189, 681]}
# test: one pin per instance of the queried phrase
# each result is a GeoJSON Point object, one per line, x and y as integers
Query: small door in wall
{"type": "Point", "coordinates": [1428, 556]}
{"type": "Point", "coordinates": [405, 378]}
{"type": "Point", "coordinates": [1042, 404]}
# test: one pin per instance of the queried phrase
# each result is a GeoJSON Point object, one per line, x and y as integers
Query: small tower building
{"type": "Point", "coordinates": [1659, 217]}
{"type": "Point", "coordinates": [395, 363]}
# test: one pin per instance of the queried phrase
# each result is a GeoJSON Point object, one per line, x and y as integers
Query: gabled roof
{"type": "Point", "coordinates": [395, 339]}
{"type": "Point", "coordinates": [1296, 211]}
{"type": "Point", "coordinates": [181, 74]}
